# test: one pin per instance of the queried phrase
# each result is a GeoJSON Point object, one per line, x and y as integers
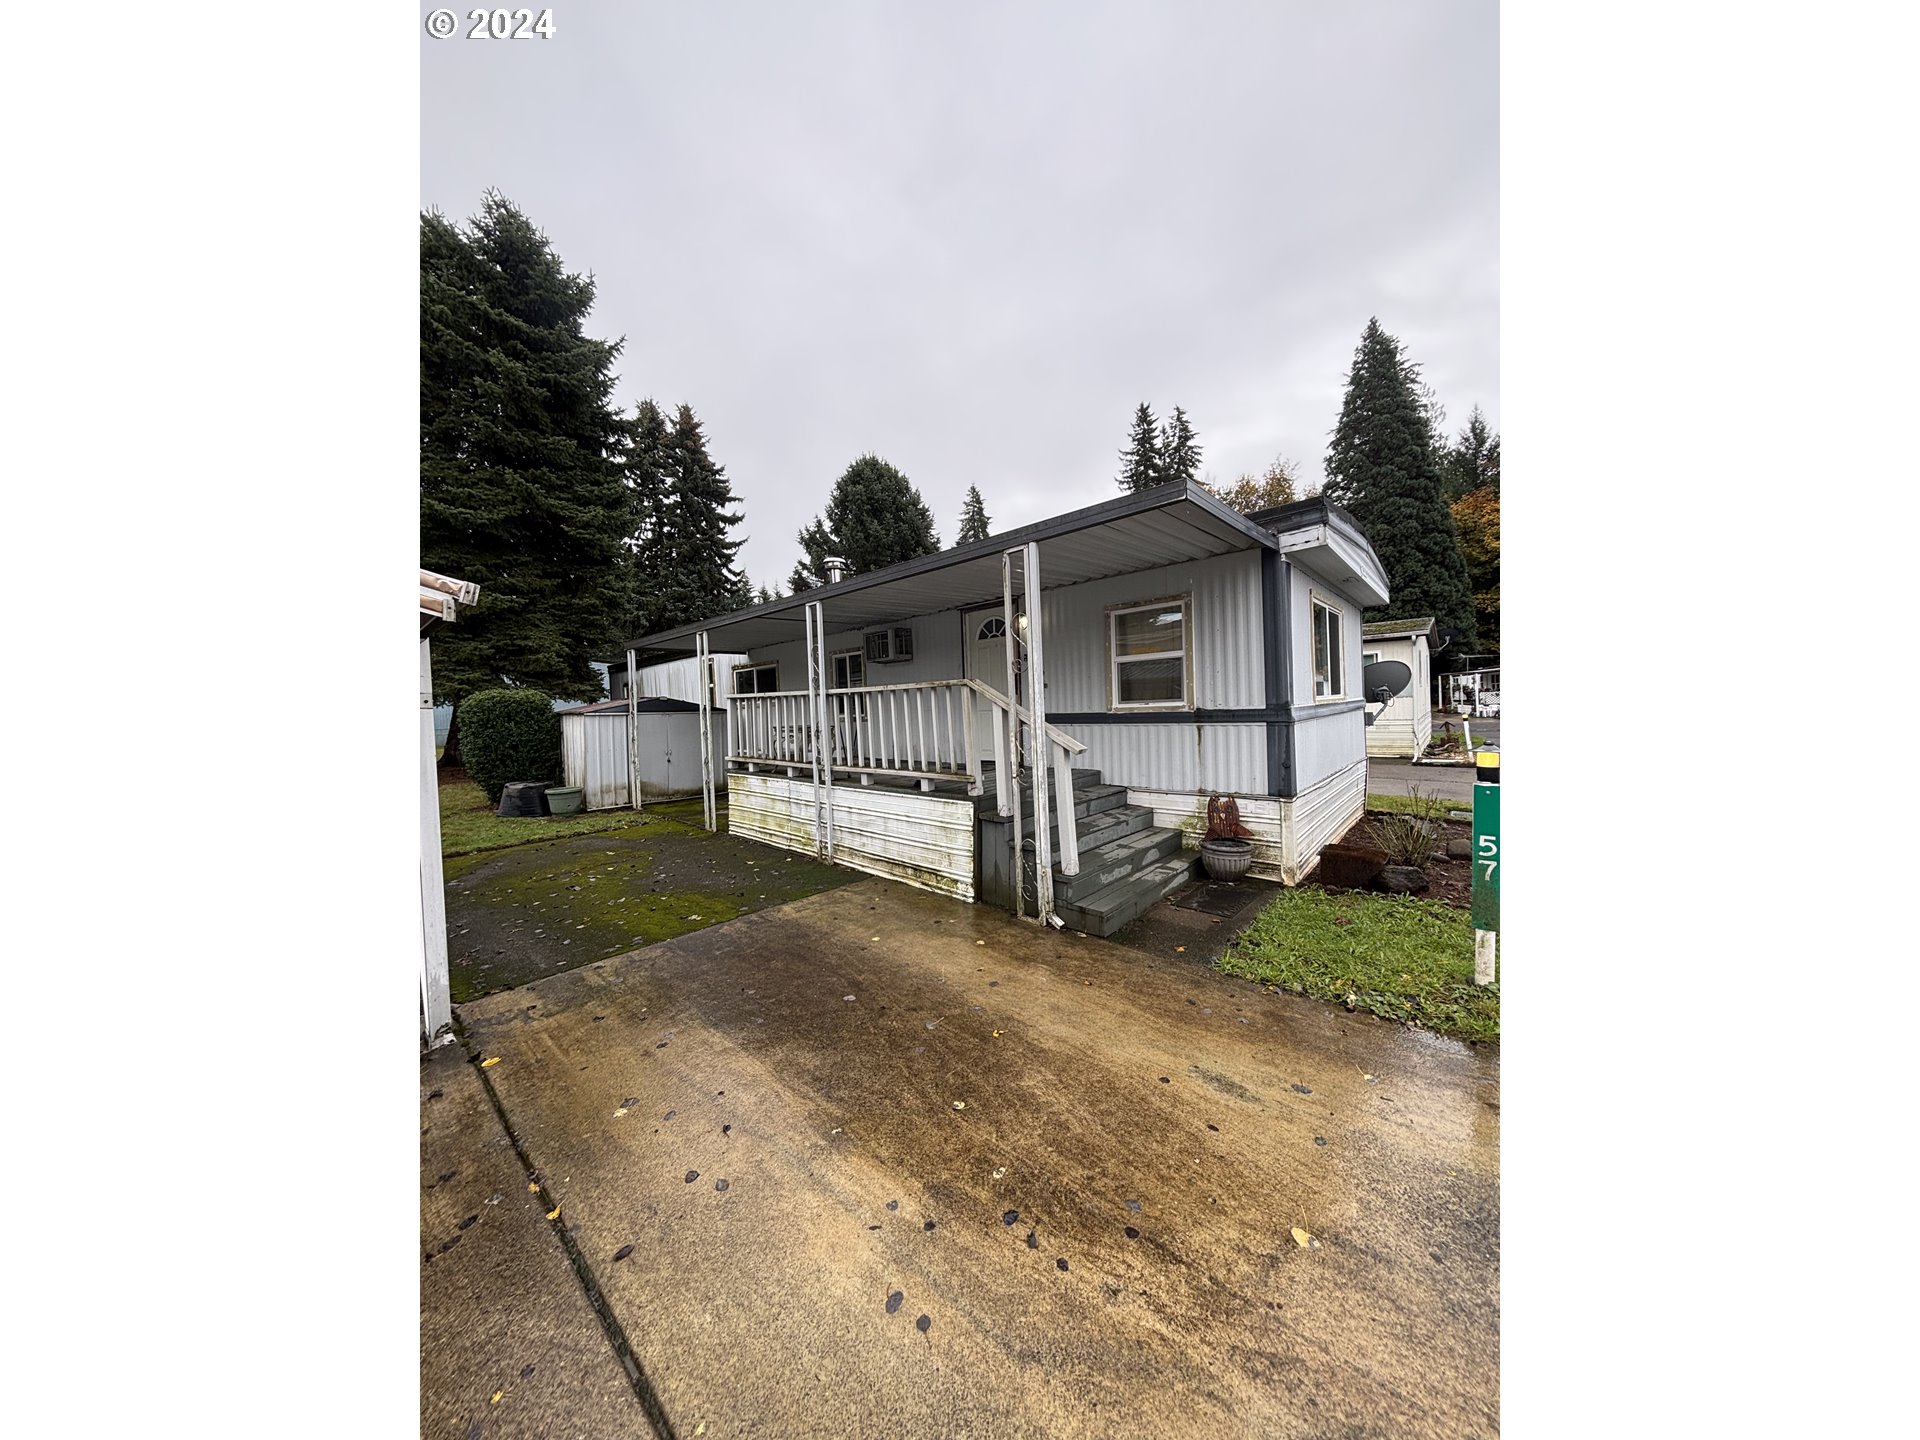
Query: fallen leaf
{"type": "Point", "coordinates": [979, 942]}
{"type": "Point", "coordinates": [623, 1252]}
{"type": "Point", "coordinates": [554, 1214]}
{"type": "Point", "coordinates": [1179, 949]}
{"type": "Point", "coordinates": [1301, 1238]}
{"type": "Point", "coordinates": [495, 1060]}
{"type": "Point", "coordinates": [998, 1033]}
{"type": "Point", "coordinates": [498, 1396]}
{"type": "Point", "coordinates": [1000, 1173]}
{"type": "Point", "coordinates": [533, 1188]}
{"type": "Point", "coordinates": [959, 1104]}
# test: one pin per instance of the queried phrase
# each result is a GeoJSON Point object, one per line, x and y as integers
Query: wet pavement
{"type": "Point", "coordinates": [890, 1164]}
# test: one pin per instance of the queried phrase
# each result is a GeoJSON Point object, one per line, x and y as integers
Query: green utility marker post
{"type": "Point", "coordinates": [1486, 864]}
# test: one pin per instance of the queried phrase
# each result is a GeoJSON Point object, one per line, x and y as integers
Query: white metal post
{"type": "Point", "coordinates": [823, 741]}
{"type": "Point", "coordinates": [633, 731]}
{"type": "Point", "coordinates": [1037, 727]}
{"type": "Point", "coordinates": [703, 660]}
{"type": "Point", "coordinates": [1010, 761]}
{"type": "Point", "coordinates": [436, 993]}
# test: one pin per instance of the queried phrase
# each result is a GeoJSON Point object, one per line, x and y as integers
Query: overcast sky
{"type": "Point", "coordinates": [971, 238]}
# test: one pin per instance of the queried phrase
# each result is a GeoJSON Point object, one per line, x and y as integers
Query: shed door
{"type": "Point", "coordinates": [987, 663]}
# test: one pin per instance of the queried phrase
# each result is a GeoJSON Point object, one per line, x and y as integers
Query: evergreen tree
{"type": "Point", "coordinates": [973, 518]}
{"type": "Point", "coordinates": [1140, 461]}
{"type": "Point", "coordinates": [874, 518]}
{"type": "Point", "coordinates": [1384, 466]}
{"type": "Point", "coordinates": [1179, 453]}
{"type": "Point", "coordinates": [649, 494]}
{"type": "Point", "coordinates": [1474, 460]}
{"type": "Point", "coordinates": [520, 478]}
{"type": "Point", "coordinates": [701, 580]}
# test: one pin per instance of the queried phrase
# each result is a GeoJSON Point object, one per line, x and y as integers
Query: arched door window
{"type": "Point", "coordinates": [994, 627]}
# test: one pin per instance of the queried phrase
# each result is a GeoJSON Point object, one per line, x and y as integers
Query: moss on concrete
{"type": "Point", "coordinates": [516, 915]}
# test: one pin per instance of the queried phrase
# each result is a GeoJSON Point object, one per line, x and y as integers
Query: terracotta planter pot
{"type": "Point", "coordinates": [1226, 859]}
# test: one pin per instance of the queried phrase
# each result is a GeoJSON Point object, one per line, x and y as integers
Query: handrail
{"type": "Point", "coordinates": [1059, 737]}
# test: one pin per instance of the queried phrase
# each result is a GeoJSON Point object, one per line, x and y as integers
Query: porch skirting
{"type": "Point", "coordinates": [924, 840]}
{"type": "Point", "coordinates": [1287, 832]}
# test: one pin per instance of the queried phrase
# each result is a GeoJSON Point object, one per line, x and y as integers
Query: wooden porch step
{"type": "Point", "coordinates": [1112, 863]}
{"type": "Point", "coordinates": [1107, 910]}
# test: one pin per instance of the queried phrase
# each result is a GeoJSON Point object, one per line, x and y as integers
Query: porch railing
{"type": "Point", "coordinates": [924, 732]}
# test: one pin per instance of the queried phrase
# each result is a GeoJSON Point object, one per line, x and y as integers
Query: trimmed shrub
{"type": "Point", "coordinates": [509, 735]}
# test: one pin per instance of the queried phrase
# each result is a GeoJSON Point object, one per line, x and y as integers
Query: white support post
{"type": "Point", "coordinates": [1484, 943]}
{"type": "Point", "coordinates": [633, 731]}
{"type": "Point", "coordinates": [1012, 757]}
{"type": "Point", "coordinates": [818, 679]}
{"type": "Point", "coordinates": [1037, 728]}
{"type": "Point", "coordinates": [436, 991]}
{"type": "Point", "coordinates": [704, 660]}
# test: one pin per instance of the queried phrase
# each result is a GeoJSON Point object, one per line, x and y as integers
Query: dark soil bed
{"type": "Point", "coordinates": [1448, 881]}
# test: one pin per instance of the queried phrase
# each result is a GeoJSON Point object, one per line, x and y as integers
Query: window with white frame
{"type": "Point", "coordinates": [755, 679]}
{"type": "Point", "coordinates": [849, 670]}
{"type": "Point", "coordinates": [1147, 655]}
{"type": "Point", "coordinates": [1329, 656]}
{"type": "Point", "coordinates": [1369, 657]}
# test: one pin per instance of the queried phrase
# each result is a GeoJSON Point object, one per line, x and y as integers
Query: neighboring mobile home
{"type": "Point", "coordinates": [1405, 724]}
{"type": "Point", "coordinates": [1181, 650]}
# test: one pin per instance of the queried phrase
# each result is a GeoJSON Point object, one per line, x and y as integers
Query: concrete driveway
{"type": "Point", "coordinates": [893, 1165]}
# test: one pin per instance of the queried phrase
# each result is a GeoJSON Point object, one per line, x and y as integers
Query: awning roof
{"type": "Point", "coordinates": [1166, 525]}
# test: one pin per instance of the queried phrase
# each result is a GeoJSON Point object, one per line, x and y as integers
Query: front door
{"type": "Point", "coordinates": [987, 663]}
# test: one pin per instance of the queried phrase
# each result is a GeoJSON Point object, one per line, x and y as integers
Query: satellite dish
{"type": "Point", "coordinates": [1384, 679]}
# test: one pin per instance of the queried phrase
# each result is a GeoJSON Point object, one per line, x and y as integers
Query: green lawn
{"type": "Point", "coordinates": [1408, 805]}
{"type": "Point", "coordinates": [1391, 955]}
{"type": "Point", "coordinates": [468, 824]}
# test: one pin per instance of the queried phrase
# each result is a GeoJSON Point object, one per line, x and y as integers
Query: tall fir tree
{"type": "Point", "coordinates": [1179, 450]}
{"type": "Point", "coordinates": [701, 580]}
{"type": "Point", "coordinates": [1140, 461]}
{"type": "Point", "coordinates": [1473, 461]}
{"type": "Point", "coordinates": [973, 518]}
{"type": "Point", "coordinates": [521, 489]}
{"type": "Point", "coordinates": [874, 518]}
{"type": "Point", "coordinates": [650, 496]}
{"type": "Point", "coordinates": [1384, 466]}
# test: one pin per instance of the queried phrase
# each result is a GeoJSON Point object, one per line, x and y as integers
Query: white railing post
{"type": "Point", "coordinates": [1037, 723]}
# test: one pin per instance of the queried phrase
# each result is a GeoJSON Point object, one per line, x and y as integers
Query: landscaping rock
{"type": "Point", "coordinates": [1459, 849]}
{"type": "Point", "coordinates": [1402, 879]}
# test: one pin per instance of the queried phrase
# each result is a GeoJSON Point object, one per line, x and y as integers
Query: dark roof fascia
{"type": "Point", "coordinates": [1138, 502]}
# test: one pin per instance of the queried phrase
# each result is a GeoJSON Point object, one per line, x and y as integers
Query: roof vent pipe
{"type": "Point", "coordinates": [836, 569]}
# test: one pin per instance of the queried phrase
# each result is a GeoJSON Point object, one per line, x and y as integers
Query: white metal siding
{"type": "Point", "coordinates": [1226, 641]}
{"type": "Point", "coordinates": [1321, 815]}
{"type": "Point", "coordinates": [1210, 758]}
{"type": "Point", "coordinates": [936, 653]}
{"type": "Point", "coordinates": [924, 840]}
{"type": "Point", "coordinates": [680, 679]}
{"type": "Point", "coordinates": [1326, 745]}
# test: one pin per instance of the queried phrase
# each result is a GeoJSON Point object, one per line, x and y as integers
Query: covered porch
{"type": "Point", "coordinates": [880, 720]}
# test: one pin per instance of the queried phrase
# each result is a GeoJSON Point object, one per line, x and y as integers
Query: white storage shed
{"type": "Point", "coordinates": [595, 755]}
